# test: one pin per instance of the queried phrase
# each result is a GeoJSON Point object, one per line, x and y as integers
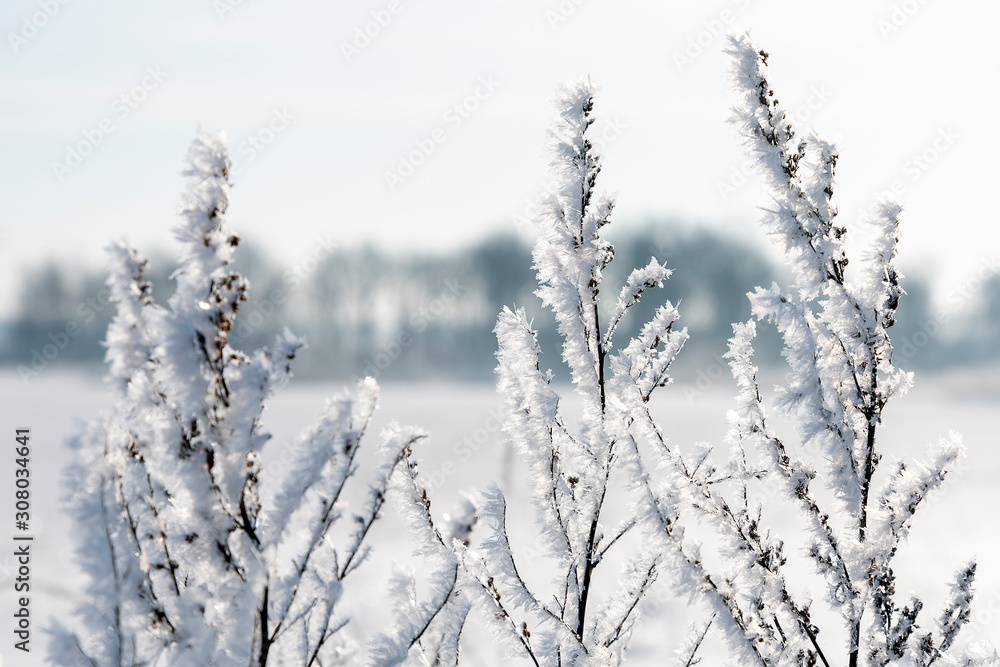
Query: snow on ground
{"type": "Point", "coordinates": [466, 452]}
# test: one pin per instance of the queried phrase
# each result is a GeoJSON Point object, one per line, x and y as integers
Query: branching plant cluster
{"type": "Point", "coordinates": [198, 555]}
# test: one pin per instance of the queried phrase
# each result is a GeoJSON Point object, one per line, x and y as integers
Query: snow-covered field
{"type": "Point", "coordinates": [466, 452]}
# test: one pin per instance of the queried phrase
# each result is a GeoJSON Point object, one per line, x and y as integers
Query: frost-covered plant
{"type": "Point", "coordinates": [572, 470]}
{"type": "Point", "coordinates": [425, 632]}
{"type": "Point", "coordinates": [195, 554]}
{"type": "Point", "coordinates": [840, 379]}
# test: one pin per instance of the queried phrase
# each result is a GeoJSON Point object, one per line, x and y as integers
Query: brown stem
{"type": "Point", "coordinates": [265, 638]}
{"type": "Point", "coordinates": [592, 537]}
{"type": "Point", "coordinates": [863, 519]}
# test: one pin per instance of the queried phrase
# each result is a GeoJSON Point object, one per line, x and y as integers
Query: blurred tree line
{"type": "Point", "coordinates": [430, 316]}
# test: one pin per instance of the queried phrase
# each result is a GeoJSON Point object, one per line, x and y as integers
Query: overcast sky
{"type": "Point", "coordinates": [333, 112]}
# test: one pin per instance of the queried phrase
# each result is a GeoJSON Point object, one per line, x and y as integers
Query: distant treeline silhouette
{"type": "Point", "coordinates": [365, 311]}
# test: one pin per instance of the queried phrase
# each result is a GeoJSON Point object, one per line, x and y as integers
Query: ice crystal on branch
{"type": "Point", "coordinates": [840, 378]}
{"type": "Point", "coordinates": [572, 470]}
{"type": "Point", "coordinates": [424, 632]}
{"type": "Point", "coordinates": [199, 553]}
{"type": "Point", "coordinates": [183, 532]}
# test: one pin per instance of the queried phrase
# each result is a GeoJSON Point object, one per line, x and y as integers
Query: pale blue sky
{"type": "Point", "coordinates": [890, 95]}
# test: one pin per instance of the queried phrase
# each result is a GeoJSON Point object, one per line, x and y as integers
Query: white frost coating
{"type": "Point", "coordinates": [188, 557]}
{"type": "Point", "coordinates": [840, 378]}
{"type": "Point", "coordinates": [424, 632]}
{"type": "Point", "coordinates": [571, 469]}
{"type": "Point", "coordinates": [199, 554]}
{"type": "Point", "coordinates": [652, 275]}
